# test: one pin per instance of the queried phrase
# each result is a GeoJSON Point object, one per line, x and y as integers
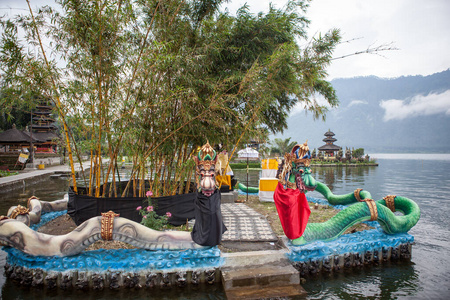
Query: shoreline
{"type": "Point", "coordinates": [351, 165]}
{"type": "Point", "coordinates": [345, 165]}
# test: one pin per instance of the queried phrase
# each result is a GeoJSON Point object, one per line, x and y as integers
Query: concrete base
{"type": "Point", "coordinates": [258, 282]}
{"type": "Point", "coordinates": [229, 197]}
{"type": "Point", "coordinates": [87, 280]}
{"type": "Point", "coordinates": [260, 274]}
{"type": "Point", "coordinates": [249, 259]}
{"type": "Point", "coordinates": [336, 263]}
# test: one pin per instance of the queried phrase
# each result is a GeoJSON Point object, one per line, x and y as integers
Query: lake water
{"type": "Point", "coordinates": [424, 178]}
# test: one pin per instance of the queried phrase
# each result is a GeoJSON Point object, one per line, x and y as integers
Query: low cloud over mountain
{"type": "Point", "coordinates": [405, 114]}
{"type": "Point", "coordinates": [419, 105]}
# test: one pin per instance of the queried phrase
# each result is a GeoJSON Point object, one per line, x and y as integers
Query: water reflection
{"type": "Point", "coordinates": [343, 180]}
{"type": "Point", "coordinates": [215, 291]}
{"type": "Point", "coordinates": [47, 188]}
{"type": "Point", "coordinates": [386, 281]}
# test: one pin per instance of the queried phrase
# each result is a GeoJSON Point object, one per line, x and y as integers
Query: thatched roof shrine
{"type": "Point", "coordinates": [15, 136]}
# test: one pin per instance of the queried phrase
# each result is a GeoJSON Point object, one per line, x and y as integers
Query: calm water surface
{"type": "Point", "coordinates": [423, 178]}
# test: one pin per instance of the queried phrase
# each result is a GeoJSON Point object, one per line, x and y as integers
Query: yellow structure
{"type": "Point", "coordinates": [268, 181]}
{"type": "Point", "coordinates": [223, 180]}
{"type": "Point", "coordinates": [270, 163]}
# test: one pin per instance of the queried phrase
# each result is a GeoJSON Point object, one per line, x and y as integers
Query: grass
{"type": "Point", "coordinates": [6, 173]}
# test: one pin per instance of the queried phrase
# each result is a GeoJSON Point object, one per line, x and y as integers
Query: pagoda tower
{"type": "Point", "coordinates": [329, 148]}
{"type": "Point", "coordinates": [43, 129]}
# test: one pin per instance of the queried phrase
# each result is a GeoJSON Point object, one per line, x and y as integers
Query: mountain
{"type": "Point", "coordinates": [404, 114]}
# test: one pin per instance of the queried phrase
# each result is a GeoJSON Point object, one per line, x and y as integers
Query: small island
{"type": "Point", "coordinates": [333, 155]}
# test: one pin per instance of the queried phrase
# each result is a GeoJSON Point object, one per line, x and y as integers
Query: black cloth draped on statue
{"type": "Point", "coordinates": [83, 207]}
{"type": "Point", "coordinates": [209, 226]}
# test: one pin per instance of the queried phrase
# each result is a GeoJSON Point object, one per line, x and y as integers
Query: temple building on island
{"type": "Point", "coordinates": [329, 149]}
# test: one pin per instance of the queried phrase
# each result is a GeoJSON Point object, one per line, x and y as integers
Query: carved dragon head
{"type": "Point", "coordinates": [295, 172]}
{"type": "Point", "coordinates": [205, 169]}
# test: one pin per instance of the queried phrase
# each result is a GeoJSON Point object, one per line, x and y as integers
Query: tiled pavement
{"type": "Point", "coordinates": [245, 224]}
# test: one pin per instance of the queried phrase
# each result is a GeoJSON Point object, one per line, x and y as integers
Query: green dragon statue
{"type": "Point", "coordinates": [295, 173]}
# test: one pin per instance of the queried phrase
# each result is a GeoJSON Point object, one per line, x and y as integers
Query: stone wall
{"type": "Point", "coordinates": [86, 280]}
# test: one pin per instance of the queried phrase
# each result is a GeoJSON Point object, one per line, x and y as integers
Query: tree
{"type": "Point", "coordinates": [358, 153]}
{"type": "Point", "coordinates": [282, 146]}
{"type": "Point", "coordinates": [154, 80]}
{"type": "Point", "coordinates": [14, 116]}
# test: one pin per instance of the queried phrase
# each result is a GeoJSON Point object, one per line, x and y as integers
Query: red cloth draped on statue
{"type": "Point", "coordinates": [293, 210]}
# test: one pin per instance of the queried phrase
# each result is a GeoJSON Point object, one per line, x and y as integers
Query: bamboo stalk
{"type": "Point", "coordinates": [77, 153]}
{"type": "Point", "coordinates": [91, 174]}
{"type": "Point", "coordinates": [114, 181]}
{"type": "Point", "coordinates": [112, 163]}
{"type": "Point", "coordinates": [58, 104]}
{"type": "Point", "coordinates": [99, 75]}
{"type": "Point", "coordinates": [142, 180]}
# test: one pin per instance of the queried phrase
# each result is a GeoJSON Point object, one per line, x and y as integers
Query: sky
{"type": "Point", "coordinates": [419, 29]}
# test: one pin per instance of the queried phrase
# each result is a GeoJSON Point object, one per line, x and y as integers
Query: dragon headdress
{"type": "Point", "coordinates": [295, 171]}
{"type": "Point", "coordinates": [205, 169]}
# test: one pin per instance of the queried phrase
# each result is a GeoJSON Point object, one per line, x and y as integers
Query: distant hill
{"type": "Point", "coordinates": [405, 114]}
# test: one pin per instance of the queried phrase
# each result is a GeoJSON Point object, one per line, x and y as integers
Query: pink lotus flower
{"type": "Point", "coordinates": [149, 208]}
{"type": "Point", "coordinates": [149, 194]}
{"type": "Point", "coordinates": [139, 208]}
{"type": "Point", "coordinates": [168, 214]}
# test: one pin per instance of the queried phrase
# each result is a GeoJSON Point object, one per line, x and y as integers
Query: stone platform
{"type": "Point", "coordinates": [260, 274]}
{"type": "Point", "coordinates": [262, 282]}
{"type": "Point", "coordinates": [229, 197]}
{"type": "Point", "coordinates": [244, 274]}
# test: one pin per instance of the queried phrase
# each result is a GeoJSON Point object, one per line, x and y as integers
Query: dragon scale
{"type": "Point", "coordinates": [359, 212]}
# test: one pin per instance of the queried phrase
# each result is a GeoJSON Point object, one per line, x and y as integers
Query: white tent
{"type": "Point", "coordinates": [248, 153]}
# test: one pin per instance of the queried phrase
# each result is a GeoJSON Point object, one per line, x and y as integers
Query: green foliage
{"type": "Point", "coordinates": [5, 173]}
{"type": "Point", "coordinates": [358, 153]}
{"type": "Point", "coordinates": [154, 80]}
{"type": "Point", "coordinates": [149, 217]}
{"type": "Point", "coordinates": [317, 162]}
{"type": "Point", "coordinates": [282, 146]}
{"type": "Point", "coordinates": [11, 116]}
{"type": "Point", "coordinates": [17, 93]}
{"type": "Point", "coordinates": [243, 165]}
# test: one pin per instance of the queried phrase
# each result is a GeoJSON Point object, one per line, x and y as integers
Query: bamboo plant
{"type": "Point", "coordinates": [154, 80]}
